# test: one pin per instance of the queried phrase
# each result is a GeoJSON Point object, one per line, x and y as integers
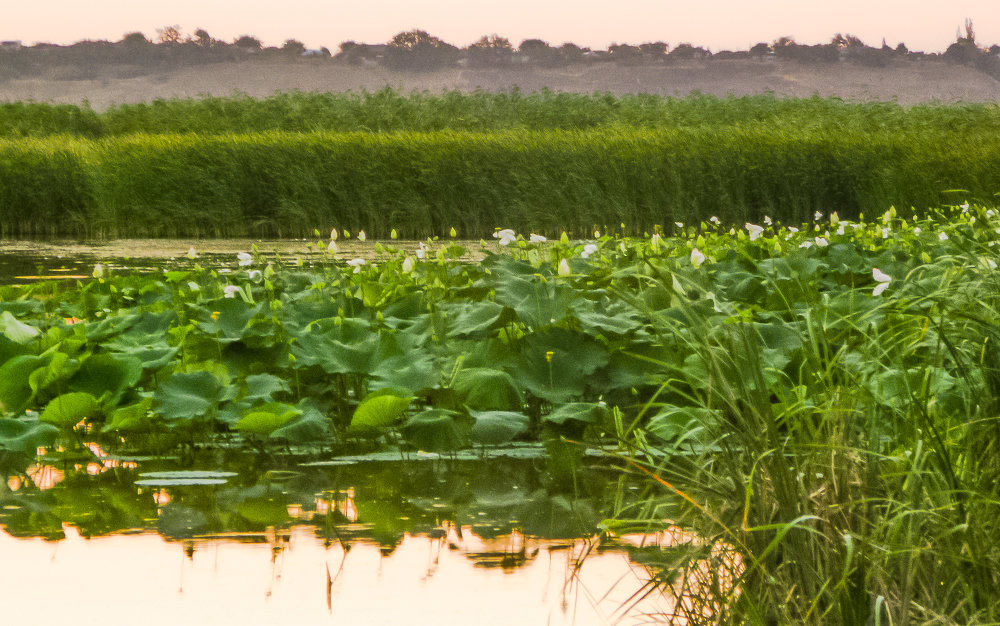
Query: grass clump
{"type": "Point", "coordinates": [832, 441]}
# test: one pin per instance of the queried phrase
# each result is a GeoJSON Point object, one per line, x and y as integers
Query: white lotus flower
{"type": "Point", "coordinates": [333, 234]}
{"type": "Point", "coordinates": [697, 258]}
{"type": "Point", "coordinates": [822, 242]}
{"type": "Point", "coordinates": [244, 258]}
{"type": "Point", "coordinates": [362, 236]}
{"type": "Point", "coordinates": [333, 246]}
{"type": "Point", "coordinates": [885, 233]}
{"type": "Point", "coordinates": [253, 274]}
{"type": "Point", "coordinates": [563, 267]}
{"type": "Point", "coordinates": [964, 207]}
{"type": "Point", "coordinates": [679, 224]}
{"type": "Point", "coordinates": [421, 251]}
{"type": "Point", "coordinates": [882, 279]}
{"type": "Point", "coordinates": [991, 213]}
{"type": "Point", "coordinates": [942, 236]}
{"type": "Point", "coordinates": [755, 230]}
{"type": "Point", "coordinates": [537, 238]}
{"type": "Point", "coordinates": [917, 230]}
{"type": "Point", "coordinates": [98, 271]}
{"type": "Point", "coordinates": [230, 291]}
{"type": "Point", "coordinates": [806, 244]}
{"type": "Point", "coordinates": [407, 265]}
{"type": "Point", "coordinates": [191, 253]}
{"type": "Point", "coordinates": [817, 216]}
{"type": "Point", "coordinates": [714, 220]}
{"type": "Point", "coordinates": [588, 250]}
{"type": "Point", "coordinates": [840, 229]}
{"type": "Point", "coordinates": [768, 221]}
{"type": "Point", "coordinates": [655, 242]}
{"type": "Point", "coordinates": [356, 264]}
{"type": "Point", "coordinates": [506, 236]}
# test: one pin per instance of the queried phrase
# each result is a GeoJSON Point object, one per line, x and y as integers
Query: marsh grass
{"type": "Point", "coordinates": [284, 184]}
{"type": "Point", "coordinates": [857, 483]}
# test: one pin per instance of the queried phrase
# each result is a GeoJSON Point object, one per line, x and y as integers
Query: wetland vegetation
{"type": "Point", "coordinates": [422, 164]}
{"type": "Point", "coordinates": [815, 401]}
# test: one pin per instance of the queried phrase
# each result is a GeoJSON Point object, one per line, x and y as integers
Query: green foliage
{"type": "Point", "coordinates": [69, 409]}
{"type": "Point", "coordinates": [423, 163]}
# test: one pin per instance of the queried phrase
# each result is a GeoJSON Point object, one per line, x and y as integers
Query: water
{"type": "Point", "coordinates": [24, 262]}
{"type": "Point", "coordinates": [94, 538]}
{"type": "Point", "coordinates": [489, 541]}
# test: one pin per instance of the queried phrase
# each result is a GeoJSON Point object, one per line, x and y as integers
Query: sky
{"type": "Point", "coordinates": [928, 25]}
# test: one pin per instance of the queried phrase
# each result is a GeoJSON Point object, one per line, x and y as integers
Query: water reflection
{"type": "Point", "coordinates": [486, 542]}
{"type": "Point", "coordinates": [31, 261]}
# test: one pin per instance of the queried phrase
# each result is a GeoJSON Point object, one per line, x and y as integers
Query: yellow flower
{"type": "Point", "coordinates": [549, 355]}
{"type": "Point", "coordinates": [215, 315]}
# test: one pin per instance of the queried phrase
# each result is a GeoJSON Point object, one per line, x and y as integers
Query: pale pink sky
{"type": "Point", "coordinates": [927, 25]}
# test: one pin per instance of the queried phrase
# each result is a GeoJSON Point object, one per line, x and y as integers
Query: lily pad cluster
{"type": "Point", "coordinates": [566, 339]}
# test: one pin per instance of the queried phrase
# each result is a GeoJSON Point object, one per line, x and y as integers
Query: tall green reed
{"type": "Point", "coordinates": [852, 479]}
{"type": "Point", "coordinates": [423, 183]}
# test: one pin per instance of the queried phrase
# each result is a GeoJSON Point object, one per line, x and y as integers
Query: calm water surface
{"type": "Point", "coordinates": [436, 541]}
{"type": "Point", "coordinates": [30, 261]}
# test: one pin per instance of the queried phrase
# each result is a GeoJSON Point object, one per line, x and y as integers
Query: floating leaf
{"type": "Point", "coordinates": [178, 478]}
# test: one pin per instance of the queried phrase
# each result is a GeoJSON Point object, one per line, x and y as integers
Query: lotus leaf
{"type": "Point", "coordinates": [184, 397]}
{"type": "Point", "coordinates": [380, 409]}
{"type": "Point", "coordinates": [131, 418]}
{"type": "Point", "coordinates": [493, 428]}
{"type": "Point", "coordinates": [25, 436]}
{"type": "Point", "coordinates": [485, 389]}
{"type": "Point", "coordinates": [69, 409]}
{"type": "Point", "coordinates": [15, 330]}
{"type": "Point", "coordinates": [437, 429]}
{"type": "Point", "coordinates": [15, 389]}
{"type": "Point", "coordinates": [265, 419]}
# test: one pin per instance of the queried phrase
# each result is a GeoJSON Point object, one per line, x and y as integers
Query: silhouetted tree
{"type": "Point", "coordinates": [760, 50]}
{"type": "Point", "coordinates": [202, 38]}
{"type": "Point", "coordinates": [490, 51]}
{"type": "Point", "coordinates": [293, 47]}
{"type": "Point", "coordinates": [418, 50]}
{"type": "Point", "coordinates": [654, 52]}
{"type": "Point", "coordinates": [687, 51]}
{"type": "Point", "coordinates": [538, 52]}
{"type": "Point", "coordinates": [624, 54]}
{"type": "Point", "coordinates": [169, 34]}
{"type": "Point", "coordinates": [135, 40]}
{"type": "Point", "coordinates": [247, 43]}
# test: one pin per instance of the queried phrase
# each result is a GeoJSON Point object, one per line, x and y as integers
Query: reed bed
{"type": "Point", "coordinates": [391, 111]}
{"type": "Point", "coordinates": [280, 183]}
